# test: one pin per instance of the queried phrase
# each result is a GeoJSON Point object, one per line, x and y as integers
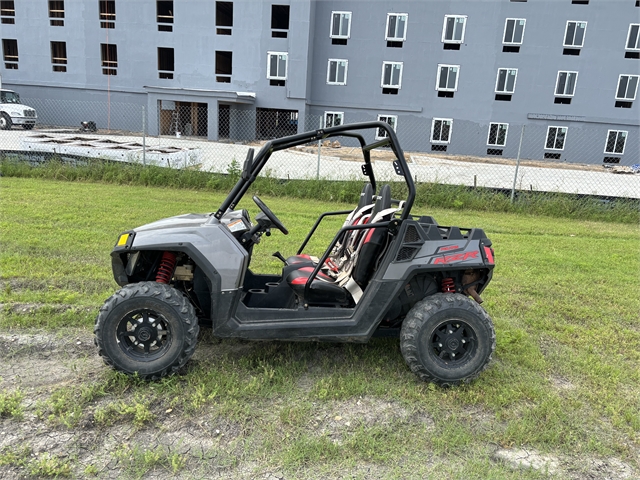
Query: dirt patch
{"type": "Point", "coordinates": [574, 468]}
{"type": "Point", "coordinates": [339, 418]}
{"type": "Point", "coordinates": [562, 384]}
{"type": "Point", "coordinates": [355, 154]}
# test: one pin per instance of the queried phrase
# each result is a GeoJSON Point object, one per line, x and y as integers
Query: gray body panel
{"type": "Point", "coordinates": [435, 255]}
{"type": "Point", "coordinates": [195, 232]}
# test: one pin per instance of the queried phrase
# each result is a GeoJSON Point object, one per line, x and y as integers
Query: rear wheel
{"type": "Point", "coordinates": [5, 121]}
{"type": "Point", "coordinates": [447, 339]}
{"type": "Point", "coordinates": [146, 328]}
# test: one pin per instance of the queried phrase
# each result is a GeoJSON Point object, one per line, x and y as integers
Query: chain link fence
{"type": "Point", "coordinates": [545, 155]}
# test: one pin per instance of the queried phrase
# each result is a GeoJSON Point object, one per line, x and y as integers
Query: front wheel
{"type": "Point", "coordinates": [447, 339]}
{"type": "Point", "coordinates": [5, 121]}
{"type": "Point", "coordinates": [28, 126]}
{"type": "Point", "coordinates": [146, 328]}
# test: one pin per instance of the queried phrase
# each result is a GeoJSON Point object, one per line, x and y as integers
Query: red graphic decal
{"type": "Point", "coordinates": [489, 253]}
{"type": "Point", "coordinates": [448, 247]}
{"type": "Point", "coordinates": [458, 257]}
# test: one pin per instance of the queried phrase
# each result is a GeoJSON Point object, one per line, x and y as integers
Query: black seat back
{"type": "Point", "coordinates": [366, 196]}
{"type": "Point", "coordinates": [373, 242]}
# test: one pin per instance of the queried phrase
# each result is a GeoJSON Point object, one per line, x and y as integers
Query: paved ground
{"type": "Point", "coordinates": [217, 157]}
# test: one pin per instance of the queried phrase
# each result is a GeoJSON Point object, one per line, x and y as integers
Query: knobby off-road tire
{"type": "Point", "coordinates": [146, 328]}
{"type": "Point", "coordinates": [447, 339]}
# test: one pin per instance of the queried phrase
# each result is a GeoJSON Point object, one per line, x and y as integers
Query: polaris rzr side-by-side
{"type": "Point", "coordinates": [386, 272]}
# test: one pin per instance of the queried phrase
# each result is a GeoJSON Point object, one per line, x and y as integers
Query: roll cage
{"type": "Point", "coordinates": [253, 166]}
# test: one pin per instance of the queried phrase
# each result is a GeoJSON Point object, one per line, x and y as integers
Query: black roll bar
{"type": "Point", "coordinates": [315, 225]}
{"type": "Point", "coordinates": [348, 130]}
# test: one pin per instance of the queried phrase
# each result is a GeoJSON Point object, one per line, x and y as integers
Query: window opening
{"type": "Point", "coordinates": [333, 119]}
{"type": "Point", "coordinates": [109, 54]}
{"type": "Point", "coordinates": [165, 62]}
{"type": "Point", "coordinates": [556, 137]}
{"type": "Point", "coordinates": [56, 13]}
{"type": "Point", "coordinates": [441, 130]}
{"type": "Point", "coordinates": [224, 18]}
{"type": "Point", "coordinates": [506, 80]}
{"type": "Point", "coordinates": [164, 13]}
{"type": "Point", "coordinates": [277, 68]}
{"type": "Point", "coordinates": [274, 123]}
{"type": "Point", "coordinates": [107, 13]}
{"type": "Point", "coordinates": [626, 91]}
{"type": "Point", "coordinates": [616, 140]}
{"type": "Point", "coordinates": [447, 80]}
{"type": "Point", "coordinates": [396, 32]}
{"type": "Point", "coordinates": [513, 34]}
{"type": "Point", "coordinates": [453, 29]}
{"type": "Point", "coordinates": [340, 27]}
{"type": "Point", "coordinates": [574, 37]}
{"type": "Point", "coordinates": [392, 120]}
{"type": "Point", "coordinates": [10, 53]}
{"type": "Point", "coordinates": [391, 77]}
{"type": "Point", "coordinates": [565, 86]}
{"type": "Point", "coordinates": [7, 12]}
{"type": "Point", "coordinates": [337, 72]}
{"type": "Point", "coordinates": [224, 61]}
{"type": "Point", "coordinates": [59, 56]}
{"type": "Point", "coordinates": [497, 134]}
{"type": "Point", "coordinates": [279, 21]}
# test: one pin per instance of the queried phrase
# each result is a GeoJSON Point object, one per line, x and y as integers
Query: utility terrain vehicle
{"type": "Point", "coordinates": [386, 272]}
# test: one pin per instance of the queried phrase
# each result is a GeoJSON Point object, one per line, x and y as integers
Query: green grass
{"type": "Point", "coordinates": [43, 466]}
{"type": "Point", "coordinates": [564, 299]}
{"type": "Point", "coordinates": [138, 461]}
{"type": "Point", "coordinates": [427, 194]}
{"type": "Point", "coordinates": [10, 404]}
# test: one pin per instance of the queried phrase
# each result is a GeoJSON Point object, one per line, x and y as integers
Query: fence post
{"type": "Point", "coordinates": [319, 147]}
{"type": "Point", "coordinates": [144, 135]}
{"type": "Point", "coordinates": [515, 176]}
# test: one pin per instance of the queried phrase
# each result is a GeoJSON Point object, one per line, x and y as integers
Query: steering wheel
{"type": "Point", "coordinates": [275, 220]}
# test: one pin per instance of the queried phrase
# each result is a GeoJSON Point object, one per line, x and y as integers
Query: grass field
{"type": "Point", "coordinates": [564, 385]}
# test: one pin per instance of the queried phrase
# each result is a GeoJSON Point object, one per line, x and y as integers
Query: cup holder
{"type": "Point", "coordinates": [272, 284]}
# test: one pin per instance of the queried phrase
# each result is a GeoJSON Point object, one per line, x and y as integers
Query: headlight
{"type": "Point", "coordinates": [122, 240]}
{"type": "Point", "coordinates": [15, 114]}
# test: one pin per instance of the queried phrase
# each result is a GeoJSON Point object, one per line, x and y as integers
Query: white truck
{"type": "Point", "coordinates": [12, 112]}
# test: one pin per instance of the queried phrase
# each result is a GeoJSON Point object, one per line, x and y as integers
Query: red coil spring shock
{"type": "Point", "coordinates": [448, 286]}
{"type": "Point", "coordinates": [167, 266]}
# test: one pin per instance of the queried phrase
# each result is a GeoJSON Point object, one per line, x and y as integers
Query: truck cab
{"type": "Point", "coordinates": [13, 112]}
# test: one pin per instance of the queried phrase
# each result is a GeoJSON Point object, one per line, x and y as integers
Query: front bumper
{"type": "Point", "coordinates": [24, 120]}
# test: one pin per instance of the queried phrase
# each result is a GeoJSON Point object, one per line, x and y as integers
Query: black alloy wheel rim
{"type": "Point", "coordinates": [144, 335]}
{"type": "Point", "coordinates": [453, 342]}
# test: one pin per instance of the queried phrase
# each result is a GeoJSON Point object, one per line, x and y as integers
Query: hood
{"type": "Point", "coordinates": [180, 221]}
{"type": "Point", "coordinates": [17, 107]}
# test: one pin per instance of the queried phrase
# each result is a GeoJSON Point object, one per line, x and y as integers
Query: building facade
{"type": "Point", "coordinates": [455, 76]}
